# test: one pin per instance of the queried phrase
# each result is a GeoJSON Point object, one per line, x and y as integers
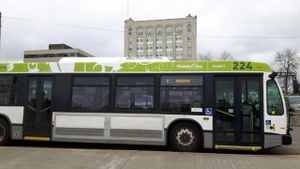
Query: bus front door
{"type": "Point", "coordinates": [37, 110]}
{"type": "Point", "coordinates": [238, 112]}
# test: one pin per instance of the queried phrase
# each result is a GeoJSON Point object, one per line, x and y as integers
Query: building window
{"type": "Point", "coordinates": [169, 46]}
{"type": "Point", "coordinates": [129, 31]}
{"type": "Point", "coordinates": [135, 93]}
{"type": "Point", "coordinates": [169, 53]}
{"type": "Point", "coordinates": [178, 54]}
{"type": "Point", "coordinates": [149, 47]}
{"type": "Point", "coordinates": [149, 31]}
{"type": "Point", "coordinates": [159, 39]}
{"type": "Point", "coordinates": [169, 29]}
{"type": "Point", "coordinates": [181, 93]}
{"type": "Point", "coordinates": [140, 39]}
{"type": "Point", "coordinates": [149, 39]}
{"type": "Point", "coordinates": [90, 94]}
{"type": "Point", "coordinates": [189, 28]}
{"type": "Point", "coordinates": [178, 29]}
{"type": "Point", "coordinates": [169, 38]}
{"type": "Point", "coordinates": [159, 31]}
{"type": "Point", "coordinates": [179, 47]}
{"type": "Point", "coordinates": [159, 47]}
{"type": "Point", "coordinates": [149, 55]}
{"type": "Point", "coordinates": [140, 32]}
{"type": "Point", "coordinates": [158, 54]}
{"type": "Point", "coordinates": [178, 38]}
{"type": "Point", "coordinates": [8, 90]}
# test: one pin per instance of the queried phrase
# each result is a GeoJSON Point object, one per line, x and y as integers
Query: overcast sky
{"type": "Point", "coordinates": [247, 29]}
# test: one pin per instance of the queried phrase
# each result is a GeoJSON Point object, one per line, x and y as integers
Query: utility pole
{"type": "Point", "coordinates": [0, 31]}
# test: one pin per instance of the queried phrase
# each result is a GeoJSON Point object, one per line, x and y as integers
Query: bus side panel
{"type": "Point", "coordinates": [14, 114]}
{"type": "Point", "coordinates": [78, 126]}
{"type": "Point", "coordinates": [108, 128]}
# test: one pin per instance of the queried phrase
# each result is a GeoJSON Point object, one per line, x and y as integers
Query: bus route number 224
{"type": "Point", "coordinates": [242, 66]}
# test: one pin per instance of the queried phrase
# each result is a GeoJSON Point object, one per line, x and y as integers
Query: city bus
{"type": "Point", "coordinates": [187, 105]}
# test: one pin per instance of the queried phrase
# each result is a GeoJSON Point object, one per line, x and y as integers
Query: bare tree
{"type": "Point", "coordinates": [287, 61]}
{"type": "Point", "coordinates": [205, 57]}
{"type": "Point", "coordinates": [226, 56]}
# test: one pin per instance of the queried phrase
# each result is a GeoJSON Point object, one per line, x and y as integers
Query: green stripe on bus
{"type": "Point", "coordinates": [172, 66]}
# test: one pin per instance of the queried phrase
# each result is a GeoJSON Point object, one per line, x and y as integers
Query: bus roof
{"type": "Point", "coordinates": [134, 66]}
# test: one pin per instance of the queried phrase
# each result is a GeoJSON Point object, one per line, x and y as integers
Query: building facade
{"type": "Point", "coordinates": [175, 39]}
{"type": "Point", "coordinates": [54, 53]}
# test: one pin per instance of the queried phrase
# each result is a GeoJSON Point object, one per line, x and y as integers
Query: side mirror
{"type": "Point", "coordinates": [273, 75]}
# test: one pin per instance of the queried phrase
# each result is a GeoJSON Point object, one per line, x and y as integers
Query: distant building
{"type": "Point", "coordinates": [54, 53]}
{"type": "Point", "coordinates": [175, 39]}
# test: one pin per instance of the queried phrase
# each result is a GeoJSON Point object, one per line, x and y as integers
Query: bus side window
{"type": "Point", "coordinates": [8, 90]}
{"type": "Point", "coordinates": [135, 92]}
{"type": "Point", "coordinates": [181, 93]}
{"type": "Point", "coordinates": [274, 101]}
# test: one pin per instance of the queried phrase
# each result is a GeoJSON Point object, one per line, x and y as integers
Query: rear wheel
{"type": "Point", "coordinates": [4, 132]}
{"type": "Point", "coordinates": [185, 137]}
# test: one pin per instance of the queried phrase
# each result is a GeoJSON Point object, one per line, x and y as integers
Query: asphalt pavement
{"type": "Point", "coordinates": [43, 155]}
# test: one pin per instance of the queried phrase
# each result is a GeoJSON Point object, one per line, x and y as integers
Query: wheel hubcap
{"type": "Point", "coordinates": [2, 133]}
{"type": "Point", "coordinates": [185, 137]}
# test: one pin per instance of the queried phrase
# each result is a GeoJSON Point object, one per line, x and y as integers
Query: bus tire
{"type": "Point", "coordinates": [4, 132]}
{"type": "Point", "coordinates": [185, 137]}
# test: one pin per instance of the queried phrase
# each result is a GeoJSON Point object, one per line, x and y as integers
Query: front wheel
{"type": "Point", "coordinates": [185, 137]}
{"type": "Point", "coordinates": [4, 132]}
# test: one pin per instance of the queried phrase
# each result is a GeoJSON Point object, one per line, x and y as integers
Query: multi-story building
{"type": "Point", "coordinates": [172, 38]}
{"type": "Point", "coordinates": [54, 54]}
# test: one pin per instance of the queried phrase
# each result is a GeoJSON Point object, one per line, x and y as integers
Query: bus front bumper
{"type": "Point", "coordinates": [286, 140]}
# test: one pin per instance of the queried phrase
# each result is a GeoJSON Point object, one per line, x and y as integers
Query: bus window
{"type": "Point", "coordinates": [90, 94]}
{"type": "Point", "coordinates": [8, 90]}
{"type": "Point", "coordinates": [135, 93]}
{"type": "Point", "coordinates": [274, 101]}
{"type": "Point", "coordinates": [224, 103]}
{"type": "Point", "coordinates": [181, 93]}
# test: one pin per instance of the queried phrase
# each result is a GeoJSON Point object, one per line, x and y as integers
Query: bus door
{"type": "Point", "coordinates": [38, 110]}
{"type": "Point", "coordinates": [238, 111]}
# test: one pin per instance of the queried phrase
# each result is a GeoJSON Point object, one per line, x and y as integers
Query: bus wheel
{"type": "Point", "coordinates": [4, 132]}
{"type": "Point", "coordinates": [185, 137]}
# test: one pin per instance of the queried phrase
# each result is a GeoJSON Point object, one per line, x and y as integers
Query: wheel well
{"type": "Point", "coordinates": [6, 119]}
{"type": "Point", "coordinates": [185, 121]}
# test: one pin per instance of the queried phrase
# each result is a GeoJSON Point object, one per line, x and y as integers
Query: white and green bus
{"type": "Point", "coordinates": [186, 105]}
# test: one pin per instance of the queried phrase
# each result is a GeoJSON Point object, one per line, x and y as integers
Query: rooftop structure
{"type": "Point", "coordinates": [54, 53]}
